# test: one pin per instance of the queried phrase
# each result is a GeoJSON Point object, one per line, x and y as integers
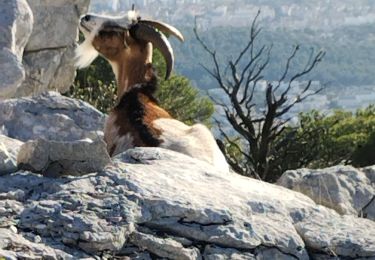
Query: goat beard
{"type": "Point", "coordinates": [85, 54]}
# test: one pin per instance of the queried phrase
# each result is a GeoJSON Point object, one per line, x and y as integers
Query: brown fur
{"type": "Point", "coordinates": [137, 121]}
{"type": "Point", "coordinates": [130, 56]}
{"type": "Point", "coordinates": [137, 108]}
{"type": "Point", "coordinates": [151, 113]}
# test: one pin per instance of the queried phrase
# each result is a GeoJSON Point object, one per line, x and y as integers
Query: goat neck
{"type": "Point", "coordinates": [131, 67]}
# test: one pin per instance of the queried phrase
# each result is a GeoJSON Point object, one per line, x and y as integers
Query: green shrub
{"type": "Point", "coordinates": [326, 140]}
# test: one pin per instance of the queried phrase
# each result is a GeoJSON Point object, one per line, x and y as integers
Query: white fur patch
{"type": "Point", "coordinates": [85, 53]}
{"type": "Point", "coordinates": [195, 141]}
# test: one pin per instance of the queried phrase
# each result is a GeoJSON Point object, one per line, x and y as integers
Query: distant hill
{"type": "Point", "coordinates": [350, 58]}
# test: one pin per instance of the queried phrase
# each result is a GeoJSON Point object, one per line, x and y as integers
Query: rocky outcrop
{"type": "Point", "coordinates": [16, 23]}
{"type": "Point", "coordinates": [151, 202]}
{"type": "Point", "coordinates": [49, 54]}
{"type": "Point", "coordinates": [50, 116]}
{"type": "Point", "coordinates": [9, 149]}
{"type": "Point", "coordinates": [54, 159]}
{"type": "Point", "coordinates": [48, 58]}
{"type": "Point", "coordinates": [342, 188]}
{"type": "Point", "coordinates": [29, 246]}
{"type": "Point", "coordinates": [56, 23]}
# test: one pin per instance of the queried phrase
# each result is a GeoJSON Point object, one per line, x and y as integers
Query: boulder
{"type": "Point", "coordinates": [50, 116]}
{"type": "Point", "coordinates": [151, 202]}
{"type": "Point", "coordinates": [56, 23]}
{"type": "Point", "coordinates": [9, 149]}
{"type": "Point", "coordinates": [49, 54]}
{"type": "Point", "coordinates": [369, 210]}
{"type": "Point", "coordinates": [53, 158]}
{"type": "Point", "coordinates": [49, 69]}
{"type": "Point", "coordinates": [329, 234]}
{"type": "Point", "coordinates": [370, 173]}
{"type": "Point", "coordinates": [343, 188]}
{"type": "Point", "coordinates": [16, 23]}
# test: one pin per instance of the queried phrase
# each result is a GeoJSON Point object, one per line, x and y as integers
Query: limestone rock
{"type": "Point", "coordinates": [218, 253]}
{"type": "Point", "coordinates": [54, 159]}
{"type": "Point", "coordinates": [329, 234]}
{"type": "Point", "coordinates": [164, 247]}
{"type": "Point", "coordinates": [155, 202]}
{"type": "Point", "coordinates": [49, 54]}
{"type": "Point", "coordinates": [41, 68]}
{"type": "Point", "coordinates": [16, 246]}
{"type": "Point", "coordinates": [13, 73]}
{"type": "Point", "coordinates": [56, 23]}
{"type": "Point", "coordinates": [368, 211]}
{"type": "Point", "coordinates": [52, 117]}
{"type": "Point", "coordinates": [9, 149]}
{"type": "Point", "coordinates": [342, 188]}
{"type": "Point", "coordinates": [370, 173]}
{"type": "Point", "coordinates": [16, 23]}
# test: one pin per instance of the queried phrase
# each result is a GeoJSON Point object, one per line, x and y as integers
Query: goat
{"type": "Point", "coordinates": [127, 43]}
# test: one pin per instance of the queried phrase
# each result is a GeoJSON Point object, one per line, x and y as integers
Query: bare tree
{"type": "Point", "coordinates": [258, 131]}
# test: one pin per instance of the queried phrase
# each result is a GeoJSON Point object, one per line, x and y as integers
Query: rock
{"type": "Point", "coordinates": [52, 117]}
{"type": "Point", "coordinates": [151, 202]}
{"type": "Point", "coordinates": [49, 53]}
{"type": "Point", "coordinates": [53, 158]}
{"type": "Point", "coordinates": [13, 73]}
{"type": "Point", "coordinates": [369, 210]}
{"type": "Point", "coordinates": [15, 246]}
{"type": "Point", "coordinates": [65, 72]}
{"type": "Point", "coordinates": [9, 149]}
{"type": "Point", "coordinates": [264, 253]}
{"type": "Point", "coordinates": [56, 23]}
{"type": "Point", "coordinates": [218, 253]}
{"type": "Point", "coordinates": [342, 188]}
{"type": "Point", "coordinates": [329, 234]}
{"type": "Point", "coordinates": [42, 71]}
{"type": "Point", "coordinates": [168, 248]}
{"type": "Point", "coordinates": [370, 173]}
{"type": "Point", "coordinates": [16, 24]}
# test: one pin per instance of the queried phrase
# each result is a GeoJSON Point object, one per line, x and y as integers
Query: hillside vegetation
{"type": "Point", "coordinates": [345, 64]}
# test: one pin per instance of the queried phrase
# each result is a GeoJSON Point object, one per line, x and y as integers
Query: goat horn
{"type": "Point", "coordinates": [146, 33]}
{"type": "Point", "coordinates": [164, 28]}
